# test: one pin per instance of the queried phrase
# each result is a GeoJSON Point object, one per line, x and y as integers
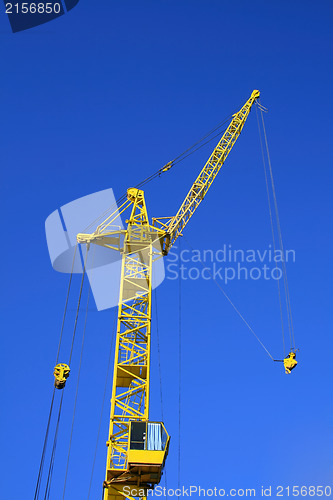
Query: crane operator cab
{"type": "Point", "coordinates": [147, 451]}
{"type": "Point", "coordinates": [290, 362]}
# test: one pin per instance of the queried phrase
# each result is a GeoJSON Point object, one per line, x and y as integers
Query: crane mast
{"type": "Point", "coordinates": [130, 391]}
{"type": "Point", "coordinates": [137, 448]}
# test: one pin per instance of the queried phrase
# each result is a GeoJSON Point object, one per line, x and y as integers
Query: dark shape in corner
{"type": "Point", "coordinates": [21, 14]}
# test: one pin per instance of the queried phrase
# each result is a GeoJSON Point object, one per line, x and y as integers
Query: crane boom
{"type": "Point", "coordinates": [207, 175]}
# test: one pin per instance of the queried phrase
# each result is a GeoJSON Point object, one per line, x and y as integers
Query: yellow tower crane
{"type": "Point", "coordinates": [137, 447]}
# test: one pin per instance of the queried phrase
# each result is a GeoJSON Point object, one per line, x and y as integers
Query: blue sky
{"type": "Point", "coordinates": [104, 96]}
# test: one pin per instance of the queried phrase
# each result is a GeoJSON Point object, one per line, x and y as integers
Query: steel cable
{"type": "Point", "coordinates": [66, 304]}
{"type": "Point", "coordinates": [160, 373]}
{"type": "Point", "coordinates": [233, 305]}
{"type": "Point", "coordinates": [180, 359]}
{"type": "Point", "coordinates": [51, 466]}
{"type": "Point", "coordinates": [80, 364]}
{"type": "Point", "coordinates": [41, 466]}
{"type": "Point", "coordinates": [103, 401]}
{"type": "Point", "coordinates": [272, 231]}
{"type": "Point", "coordinates": [50, 473]}
{"type": "Point", "coordinates": [78, 307]}
{"type": "Point", "coordinates": [176, 160]}
{"type": "Point", "coordinates": [284, 269]}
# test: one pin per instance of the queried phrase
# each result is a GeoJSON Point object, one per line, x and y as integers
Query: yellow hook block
{"type": "Point", "coordinates": [290, 362]}
{"type": "Point", "coordinates": [61, 374]}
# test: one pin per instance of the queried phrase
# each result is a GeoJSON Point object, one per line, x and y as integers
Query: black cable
{"type": "Point", "coordinates": [202, 145]}
{"type": "Point", "coordinates": [50, 473]}
{"type": "Point", "coordinates": [180, 358]}
{"type": "Point", "coordinates": [76, 393]}
{"type": "Point", "coordinates": [205, 136]}
{"type": "Point", "coordinates": [159, 355]}
{"type": "Point", "coordinates": [66, 304]}
{"type": "Point", "coordinates": [232, 304]}
{"type": "Point", "coordinates": [49, 478]}
{"type": "Point", "coordinates": [112, 207]}
{"type": "Point", "coordinates": [160, 374]}
{"type": "Point", "coordinates": [41, 466]}
{"type": "Point", "coordinates": [272, 228]}
{"type": "Point", "coordinates": [182, 156]}
{"type": "Point", "coordinates": [176, 160]}
{"type": "Point", "coordinates": [103, 401]}
{"type": "Point", "coordinates": [78, 306]}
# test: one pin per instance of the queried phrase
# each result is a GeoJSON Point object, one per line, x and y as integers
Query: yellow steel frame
{"type": "Point", "coordinates": [130, 392]}
{"type": "Point", "coordinates": [199, 188]}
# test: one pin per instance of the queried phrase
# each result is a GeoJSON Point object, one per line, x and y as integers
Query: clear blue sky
{"type": "Point", "coordinates": [103, 97]}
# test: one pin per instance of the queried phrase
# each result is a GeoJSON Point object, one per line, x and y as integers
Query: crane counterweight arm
{"type": "Point", "coordinates": [207, 174]}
